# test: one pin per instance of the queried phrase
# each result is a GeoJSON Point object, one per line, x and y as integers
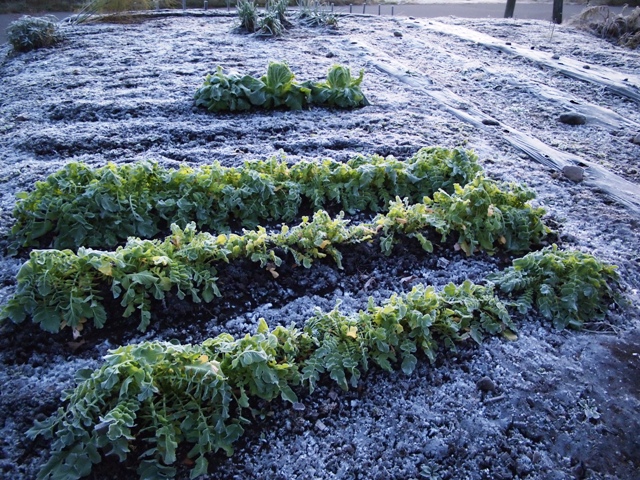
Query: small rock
{"type": "Point", "coordinates": [573, 118]}
{"type": "Point", "coordinates": [22, 118]}
{"type": "Point", "coordinates": [490, 121]}
{"type": "Point", "coordinates": [586, 67]}
{"type": "Point", "coordinates": [397, 34]}
{"type": "Point", "coordinates": [321, 426]}
{"type": "Point", "coordinates": [485, 384]}
{"type": "Point", "coordinates": [330, 55]}
{"type": "Point", "coordinates": [573, 173]}
{"type": "Point", "coordinates": [442, 263]}
{"type": "Point", "coordinates": [298, 406]}
{"type": "Point", "coordinates": [508, 43]}
{"type": "Point", "coordinates": [636, 139]}
{"type": "Point", "coordinates": [556, 56]}
{"type": "Point", "coordinates": [349, 449]}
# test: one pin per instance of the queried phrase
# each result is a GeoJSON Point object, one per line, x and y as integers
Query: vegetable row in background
{"type": "Point", "coordinates": [61, 288]}
{"type": "Point", "coordinates": [101, 207]}
{"type": "Point", "coordinates": [157, 397]}
{"type": "Point", "coordinates": [277, 89]}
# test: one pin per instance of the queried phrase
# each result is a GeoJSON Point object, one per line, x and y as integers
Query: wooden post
{"type": "Point", "coordinates": [511, 6]}
{"type": "Point", "coordinates": [557, 11]}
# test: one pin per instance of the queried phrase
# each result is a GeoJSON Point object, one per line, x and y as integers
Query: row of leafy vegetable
{"type": "Point", "coordinates": [152, 399]}
{"type": "Point", "coordinates": [278, 88]}
{"type": "Point", "coordinates": [102, 207]}
{"type": "Point", "coordinates": [59, 288]}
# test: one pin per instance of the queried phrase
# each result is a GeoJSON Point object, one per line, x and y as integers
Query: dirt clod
{"type": "Point", "coordinates": [573, 118]}
{"type": "Point", "coordinates": [573, 173]}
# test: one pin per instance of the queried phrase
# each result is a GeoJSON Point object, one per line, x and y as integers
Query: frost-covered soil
{"type": "Point", "coordinates": [553, 405]}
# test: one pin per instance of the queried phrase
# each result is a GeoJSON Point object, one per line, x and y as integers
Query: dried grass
{"type": "Point", "coordinates": [624, 29]}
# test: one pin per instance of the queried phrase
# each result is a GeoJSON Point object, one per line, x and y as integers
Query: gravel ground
{"type": "Point", "coordinates": [550, 405]}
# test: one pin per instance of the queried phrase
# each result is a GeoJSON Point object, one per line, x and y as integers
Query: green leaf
{"type": "Point", "coordinates": [409, 362]}
{"type": "Point", "coordinates": [48, 318]}
{"type": "Point", "coordinates": [249, 357]}
{"type": "Point", "coordinates": [144, 277]}
{"type": "Point", "coordinates": [288, 394]}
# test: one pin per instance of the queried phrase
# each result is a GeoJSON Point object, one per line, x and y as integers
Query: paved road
{"type": "Point", "coordinates": [538, 11]}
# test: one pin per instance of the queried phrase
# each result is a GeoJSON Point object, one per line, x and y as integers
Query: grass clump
{"type": "Point", "coordinates": [30, 33]}
{"type": "Point", "coordinates": [624, 29]}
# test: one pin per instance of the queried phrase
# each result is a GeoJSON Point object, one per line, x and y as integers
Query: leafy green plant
{"type": "Point", "coordinates": [313, 14]}
{"type": "Point", "coordinates": [568, 287]}
{"type": "Point", "coordinates": [482, 215]}
{"type": "Point", "coordinates": [232, 92]}
{"type": "Point", "coordinates": [29, 33]}
{"type": "Point", "coordinates": [271, 25]}
{"type": "Point", "coordinates": [273, 22]}
{"type": "Point", "coordinates": [346, 344]}
{"type": "Point", "coordinates": [59, 289]}
{"type": "Point", "coordinates": [278, 88]}
{"type": "Point", "coordinates": [340, 90]}
{"type": "Point", "coordinates": [281, 90]}
{"type": "Point", "coordinates": [156, 397]}
{"type": "Point", "coordinates": [101, 207]}
{"type": "Point", "coordinates": [248, 15]}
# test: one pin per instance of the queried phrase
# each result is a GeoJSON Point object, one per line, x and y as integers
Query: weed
{"type": "Point", "coordinates": [29, 33]}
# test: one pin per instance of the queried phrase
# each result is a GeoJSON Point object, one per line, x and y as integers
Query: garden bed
{"type": "Point", "coordinates": [549, 404]}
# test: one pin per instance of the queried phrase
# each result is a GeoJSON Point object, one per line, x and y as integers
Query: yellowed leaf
{"type": "Point", "coordinates": [465, 248]}
{"type": "Point", "coordinates": [160, 260]}
{"type": "Point", "coordinates": [352, 332]}
{"type": "Point", "coordinates": [203, 358]}
{"type": "Point", "coordinates": [324, 244]}
{"type": "Point", "coordinates": [271, 268]}
{"type": "Point", "coordinates": [401, 221]}
{"type": "Point", "coordinates": [502, 240]}
{"type": "Point", "coordinates": [106, 269]}
{"type": "Point", "coordinates": [509, 335]}
{"type": "Point", "coordinates": [75, 345]}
